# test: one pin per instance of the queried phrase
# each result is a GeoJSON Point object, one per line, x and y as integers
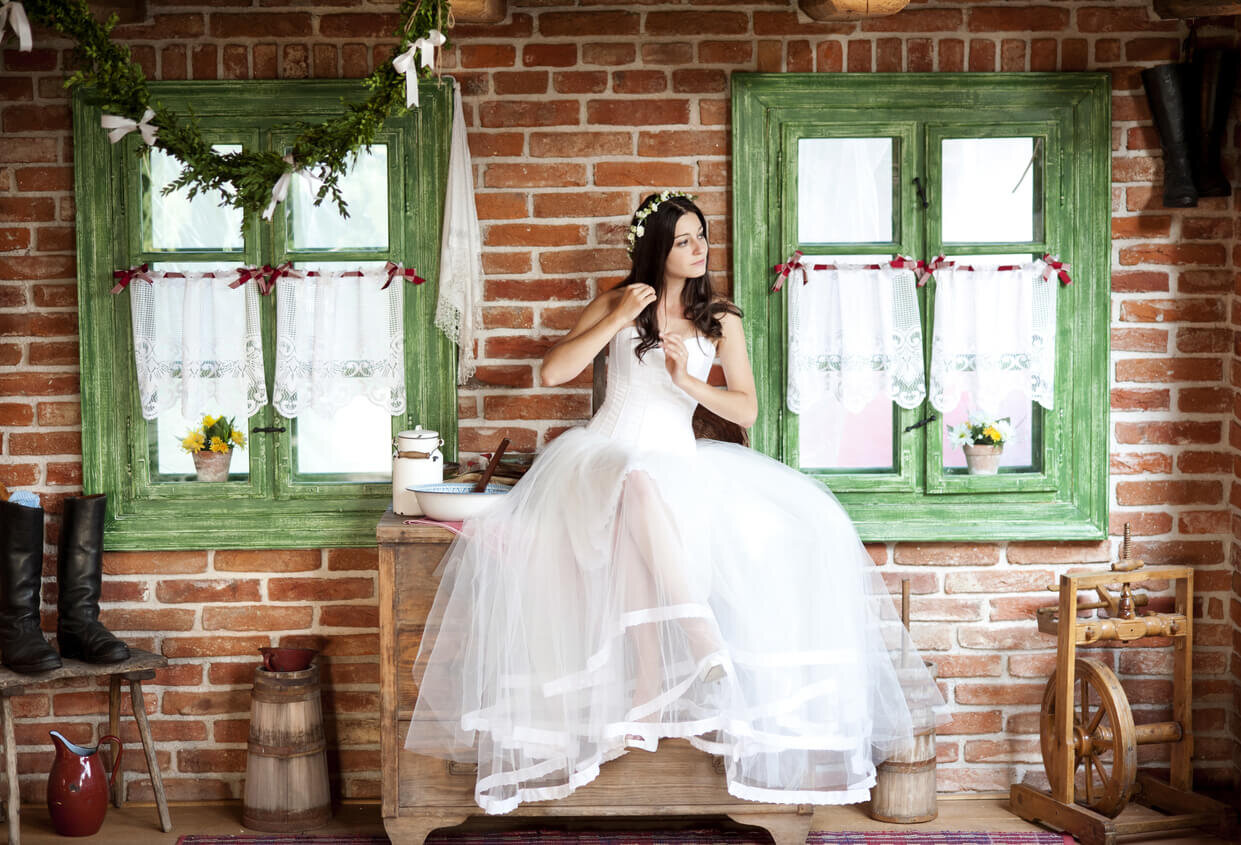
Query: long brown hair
{"type": "Point", "coordinates": [701, 304]}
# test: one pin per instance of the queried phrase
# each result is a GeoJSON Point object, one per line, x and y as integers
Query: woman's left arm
{"type": "Point", "coordinates": [737, 402]}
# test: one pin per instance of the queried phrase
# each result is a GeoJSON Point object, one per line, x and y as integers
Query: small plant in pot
{"type": "Point", "coordinates": [211, 445]}
{"type": "Point", "coordinates": [982, 438]}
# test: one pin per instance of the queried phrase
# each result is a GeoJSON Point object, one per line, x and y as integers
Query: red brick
{"type": "Point", "coordinates": [13, 413]}
{"type": "Point", "coordinates": [829, 57]}
{"type": "Point", "coordinates": [280, 560]}
{"type": "Point", "coordinates": [1088, 551]}
{"type": "Point", "coordinates": [725, 52]}
{"type": "Point", "coordinates": [1204, 462]}
{"type": "Point", "coordinates": [860, 54]}
{"type": "Point", "coordinates": [1139, 281]}
{"type": "Point", "coordinates": [472, 439]}
{"type": "Point", "coordinates": [1043, 54]}
{"type": "Point", "coordinates": [608, 54]}
{"type": "Point", "coordinates": [53, 295]}
{"type": "Point", "coordinates": [549, 55]}
{"type": "Point", "coordinates": [1003, 581]}
{"type": "Point", "coordinates": [575, 24]}
{"type": "Point", "coordinates": [349, 616]}
{"type": "Point", "coordinates": [143, 619]}
{"type": "Point", "coordinates": [1204, 281]}
{"type": "Point", "coordinates": [951, 53]}
{"type": "Point", "coordinates": [648, 173]}
{"type": "Point", "coordinates": [488, 55]}
{"type": "Point", "coordinates": [1139, 340]}
{"type": "Point", "coordinates": [1009, 693]}
{"type": "Point", "coordinates": [45, 178]}
{"type": "Point", "coordinates": [534, 175]}
{"type": "Point", "coordinates": [183, 789]}
{"type": "Point", "coordinates": [256, 618]}
{"type": "Point", "coordinates": [704, 80]}
{"type": "Point", "coordinates": [529, 113]}
{"type": "Point", "coordinates": [38, 384]}
{"type": "Point", "coordinates": [1017, 19]}
{"type": "Point", "coordinates": [26, 209]}
{"type": "Point", "coordinates": [14, 239]}
{"type": "Point", "coordinates": [682, 143]}
{"type": "Point", "coordinates": [575, 205]}
{"type": "Point", "coordinates": [1168, 369]}
{"type": "Point", "coordinates": [527, 234]}
{"type": "Point", "coordinates": [1128, 399]}
{"type": "Point", "coordinates": [64, 474]}
{"type": "Point", "coordinates": [1175, 432]}
{"type": "Point", "coordinates": [982, 55]}
{"type": "Point", "coordinates": [1169, 492]}
{"type": "Point", "coordinates": [1192, 228]}
{"type": "Point", "coordinates": [214, 646]}
{"type": "Point", "coordinates": [1018, 609]}
{"type": "Point", "coordinates": [580, 81]}
{"type": "Point", "coordinates": [1198, 340]}
{"type": "Point", "coordinates": [1178, 253]}
{"type": "Point", "coordinates": [946, 554]}
{"type": "Point", "coordinates": [518, 26]}
{"type": "Point", "coordinates": [1180, 552]}
{"type": "Point", "coordinates": [147, 563]}
{"type": "Point", "coordinates": [639, 81]}
{"type": "Point", "coordinates": [363, 559]}
{"type": "Point", "coordinates": [1204, 400]}
{"type": "Point", "coordinates": [521, 82]}
{"type": "Point", "coordinates": [688, 23]}
{"type": "Point", "coordinates": [506, 262]}
{"type": "Point", "coordinates": [537, 407]}
{"type": "Point", "coordinates": [667, 53]}
{"type": "Point", "coordinates": [318, 589]}
{"type": "Point", "coordinates": [293, 25]}
{"type": "Point", "coordinates": [919, 56]}
{"type": "Point", "coordinates": [1141, 225]}
{"type": "Point", "coordinates": [507, 317]}
{"type": "Point", "coordinates": [1203, 522]}
{"type": "Point", "coordinates": [501, 206]}
{"type": "Point", "coordinates": [971, 722]}
{"type": "Point", "coordinates": [617, 112]}
{"type": "Point", "coordinates": [51, 443]}
{"type": "Point", "coordinates": [51, 354]}
{"type": "Point", "coordinates": [1197, 310]}
{"type": "Point", "coordinates": [212, 590]}
{"type": "Point", "coordinates": [33, 118]}
{"type": "Point", "coordinates": [205, 703]}
{"type": "Point", "coordinates": [267, 66]}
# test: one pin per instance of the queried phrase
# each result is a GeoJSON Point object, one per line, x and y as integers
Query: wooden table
{"type": "Point", "coordinates": [140, 667]}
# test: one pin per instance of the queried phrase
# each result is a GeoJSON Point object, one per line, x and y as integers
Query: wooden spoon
{"type": "Point", "coordinates": [481, 486]}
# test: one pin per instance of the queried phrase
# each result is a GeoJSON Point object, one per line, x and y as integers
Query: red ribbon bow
{"type": "Point", "coordinates": [257, 274]}
{"type": "Point", "coordinates": [1060, 268]}
{"type": "Point", "coordinates": [922, 273]}
{"type": "Point", "coordinates": [124, 277]}
{"type": "Point", "coordinates": [394, 270]}
{"type": "Point", "coordinates": [274, 273]}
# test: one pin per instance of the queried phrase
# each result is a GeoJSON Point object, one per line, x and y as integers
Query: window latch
{"type": "Point", "coordinates": [278, 429]}
{"type": "Point", "coordinates": [925, 421]}
{"type": "Point", "coordinates": [921, 193]}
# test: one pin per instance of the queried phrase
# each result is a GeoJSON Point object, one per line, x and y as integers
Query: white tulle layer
{"type": "Point", "coordinates": [586, 612]}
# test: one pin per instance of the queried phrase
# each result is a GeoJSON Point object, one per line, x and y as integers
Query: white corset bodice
{"type": "Point", "coordinates": [643, 408]}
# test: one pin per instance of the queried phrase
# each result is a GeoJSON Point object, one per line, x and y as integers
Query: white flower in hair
{"type": "Point", "coordinates": [637, 229]}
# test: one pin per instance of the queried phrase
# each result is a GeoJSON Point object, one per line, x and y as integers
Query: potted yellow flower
{"type": "Point", "coordinates": [211, 445]}
{"type": "Point", "coordinates": [982, 438]}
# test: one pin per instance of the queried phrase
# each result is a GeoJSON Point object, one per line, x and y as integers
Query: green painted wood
{"type": "Point", "coordinates": [1067, 497]}
{"type": "Point", "coordinates": [270, 509]}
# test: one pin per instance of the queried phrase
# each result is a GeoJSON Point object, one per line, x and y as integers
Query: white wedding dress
{"type": "Point", "coordinates": [639, 584]}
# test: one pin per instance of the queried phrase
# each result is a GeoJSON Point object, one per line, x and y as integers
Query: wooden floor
{"type": "Point", "coordinates": [137, 824]}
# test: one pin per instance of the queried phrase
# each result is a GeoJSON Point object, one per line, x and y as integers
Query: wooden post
{"type": "Point", "coordinates": [14, 803]}
{"type": "Point", "coordinates": [148, 745]}
{"type": "Point", "coordinates": [1181, 775]}
{"type": "Point", "coordinates": [114, 724]}
{"type": "Point", "coordinates": [1066, 658]}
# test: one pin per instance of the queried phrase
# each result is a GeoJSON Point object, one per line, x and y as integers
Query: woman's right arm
{"type": "Point", "coordinates": [603, 318]}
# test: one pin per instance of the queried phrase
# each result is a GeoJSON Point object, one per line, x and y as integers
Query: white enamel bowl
{"type": "Point", "coordinates": [455, 501]}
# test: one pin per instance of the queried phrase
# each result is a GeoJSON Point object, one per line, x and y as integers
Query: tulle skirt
{"type": "Point", "coordinates": [615, 597]}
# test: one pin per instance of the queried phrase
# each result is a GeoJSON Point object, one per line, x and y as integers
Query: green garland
{"type": "Point", "coordinates": [244, 179]}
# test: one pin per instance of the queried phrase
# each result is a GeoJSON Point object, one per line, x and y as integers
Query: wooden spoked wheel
{"type": "Point", "coordinates": [1103, 744]}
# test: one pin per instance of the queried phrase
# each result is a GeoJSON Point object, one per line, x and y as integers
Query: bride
{"type": "Point", "coordinates": [639, 584]}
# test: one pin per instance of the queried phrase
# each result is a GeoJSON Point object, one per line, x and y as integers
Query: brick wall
{"type": "Point", "coordinates": [574, 114]}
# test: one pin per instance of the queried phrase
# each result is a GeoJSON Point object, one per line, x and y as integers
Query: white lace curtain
{"type": "Point", "coordinates": [461, 253]}
{"type": "Point", "coordinates": [197, 342]}
{"type": "Point", "coordinates": [339, 336]}
{"type": "Point", "coordinates": [995, 334]}
{"type": "Point", "coordinates": [854, 334]}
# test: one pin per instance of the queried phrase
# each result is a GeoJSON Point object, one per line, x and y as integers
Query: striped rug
{"type": "Point", "coordinates": [687, 837]}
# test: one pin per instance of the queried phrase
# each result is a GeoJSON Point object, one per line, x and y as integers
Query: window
{"type": "Point", "coordinates": [986, 169]}
{"type": "Point", "coordinates": [321, 478]}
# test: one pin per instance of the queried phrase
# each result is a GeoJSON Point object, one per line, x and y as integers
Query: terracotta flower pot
{"type": "Point", "coordinates": [983, 460]}
{"type": "Point", "coordinates": [212, 466]}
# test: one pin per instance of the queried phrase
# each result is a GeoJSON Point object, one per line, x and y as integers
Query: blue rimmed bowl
{"type": "Point", "coordinates": [455, 501]}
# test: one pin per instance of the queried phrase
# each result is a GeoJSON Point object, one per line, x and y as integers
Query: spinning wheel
{"type": "Point", "coordinates": [1104, 739]}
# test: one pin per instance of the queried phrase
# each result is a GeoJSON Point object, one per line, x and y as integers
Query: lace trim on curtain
{"type": "Point", "coordinates": [197, 342]}
{"type": "Point", "coordinates": [461, 251]}
{"type": "Point", "coordinates": [855, 333]}
{"type": "Point", "coordinates": [339, 335]}
{"type": "Point", "coordinates": [995, 334]}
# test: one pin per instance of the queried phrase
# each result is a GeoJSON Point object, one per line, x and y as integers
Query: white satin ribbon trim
{"type": "Point", "coordinates": [14, 14]}
{"type": "Point", "coordinates": [280, 191]}
{"type": "Point", "coordinates": [424, 50]}
{"type": "Point", "coordinates": [121, 126]}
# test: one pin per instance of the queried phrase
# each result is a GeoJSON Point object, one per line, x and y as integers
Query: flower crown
{"type": "Point", "coordinates": [637, 230]}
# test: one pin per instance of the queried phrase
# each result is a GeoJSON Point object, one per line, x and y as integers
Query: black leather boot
{"type": "Point", "coordinates": [79, 575]}
{"type": "Point", "coordinates": [1215, 78]}
{"type": "Point", "coordinates": [22, 647]}
{"type": "Point", "coordinates": [1177, 120]}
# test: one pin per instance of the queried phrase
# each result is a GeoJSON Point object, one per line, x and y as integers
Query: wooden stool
{"type": "Point", "coordinates": [140, 667]}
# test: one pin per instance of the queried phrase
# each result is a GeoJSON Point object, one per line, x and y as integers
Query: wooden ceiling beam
{"type": "Point", "coordinates": [1196, 8]}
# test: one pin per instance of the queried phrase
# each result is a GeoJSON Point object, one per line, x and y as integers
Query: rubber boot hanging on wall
{"type": "Point", "coordinates": [1177, 120]}
{"type": "Point", "coordinates": [22, 647]}
{"type": "Point", "coordinates": [79, 575]}
{"type": "Point", "coordinates": [1214, 80]}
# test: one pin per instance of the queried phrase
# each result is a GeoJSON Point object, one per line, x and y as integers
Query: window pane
{"type": "Point", "coordinates": [844, 190]}
{"type": "Point", "coordinates": [175, 221]}
{"type": "Point", "coordinates": [365, 189]}
{"type": "Point", "coordinates": [988, 190]}
{"type": "Point", "coordinates": [354, 439]}
{"type": "Point", "coordinates": [832, 438]}
{"type": "Point", "coordinates": [1018, 452]}
{"type": "Point", "coordinates": [164, 434]}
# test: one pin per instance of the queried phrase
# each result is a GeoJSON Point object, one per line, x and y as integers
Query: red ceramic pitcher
{"type": "Point", "coordinates": [77, 788]}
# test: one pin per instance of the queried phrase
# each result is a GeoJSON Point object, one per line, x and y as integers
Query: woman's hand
{"type": "Point", "coordinates": [633, 301]}
{"type": "Point", "coordinates": [676, 357]}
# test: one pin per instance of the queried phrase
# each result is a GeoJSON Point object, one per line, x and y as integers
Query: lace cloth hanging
{"type": "Point", "coordinates": [197, 342]}
{"type": "Point", "coordinates": [995, 334]}
{"type": "Point", "coordinates": [461, 250]}
{"type": "Point", "coordinates": [339, 335]}
{"type": "Point", "coordinates": [855, 333]}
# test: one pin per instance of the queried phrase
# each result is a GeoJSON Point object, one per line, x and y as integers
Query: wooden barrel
{"type": "Point", "coordinates": [286, 768]}
{"type": "Point", "coordinates": [904, 791]}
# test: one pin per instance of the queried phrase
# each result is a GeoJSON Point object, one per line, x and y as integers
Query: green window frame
{"type": "Point", "coordinates": [1065, 497]}
{"type": "Point", "coordinates": [270, 508]}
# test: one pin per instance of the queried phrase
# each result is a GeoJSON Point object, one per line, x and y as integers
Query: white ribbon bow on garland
{"type": "Point", "coordinates": [12, 13]}
{"type": "Point", "coordinates": [404, 63]}
{"type": "Point", "coordinates": [122, 126]}
{"type": "Point", "coordinates": [280, 191]}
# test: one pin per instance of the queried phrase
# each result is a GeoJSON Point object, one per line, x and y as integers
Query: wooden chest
{"type": "Point", "coordinates": [421, 794]}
